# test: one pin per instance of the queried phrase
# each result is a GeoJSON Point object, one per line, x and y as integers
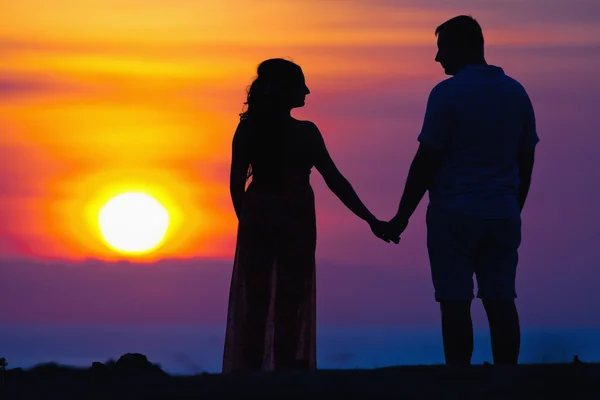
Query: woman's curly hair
{"type": "Point", "coordinates": [266, 105]}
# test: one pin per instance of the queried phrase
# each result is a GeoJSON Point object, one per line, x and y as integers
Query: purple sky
{"type": "Point", "coordinates": [368, 99]}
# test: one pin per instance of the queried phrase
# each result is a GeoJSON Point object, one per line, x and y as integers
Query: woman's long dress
{"type": "Point", "coordinates": [271, 320]}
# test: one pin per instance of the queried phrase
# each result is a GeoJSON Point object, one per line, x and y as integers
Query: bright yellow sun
{"type": "Point", "coordinates": [133, 223]}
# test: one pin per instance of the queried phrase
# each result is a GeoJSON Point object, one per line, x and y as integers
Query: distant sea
{"type": "Point", "coordinates": [195, 349]}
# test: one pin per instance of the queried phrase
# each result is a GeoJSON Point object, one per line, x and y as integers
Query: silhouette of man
{"type": "Point", "coordinates": [475, 158]}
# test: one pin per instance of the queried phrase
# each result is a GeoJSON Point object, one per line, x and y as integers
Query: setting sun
{"type": "Point", "coordinates": [133, 223]}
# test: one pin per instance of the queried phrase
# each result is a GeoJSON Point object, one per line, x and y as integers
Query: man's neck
{"type": "Point", "coordinates": [477, 63]}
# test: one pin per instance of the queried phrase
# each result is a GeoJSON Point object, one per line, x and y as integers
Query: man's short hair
{"type": "Point", "coordinates": [463, 30]}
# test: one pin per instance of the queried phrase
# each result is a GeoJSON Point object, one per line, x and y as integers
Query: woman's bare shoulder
{"type": "Point", "coordinates": [306, 126]}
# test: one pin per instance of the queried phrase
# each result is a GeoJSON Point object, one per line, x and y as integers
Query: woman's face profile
{"type": "Point", "coordinates": [299, 91]}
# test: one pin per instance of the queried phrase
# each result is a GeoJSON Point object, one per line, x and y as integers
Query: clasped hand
{"type": "Point", "coordinates": [388, 231]}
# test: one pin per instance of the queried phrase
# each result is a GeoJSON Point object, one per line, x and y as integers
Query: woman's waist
{"type": "Point", "coordinates": [275, 185]}
{"type": "Point", "coordinates": [278, 195]}
{"type": "Point", "coordinates": [265, 206]}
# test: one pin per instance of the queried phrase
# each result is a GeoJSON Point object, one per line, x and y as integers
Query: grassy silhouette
{"type": "Point", "coordinates": [133, 376]}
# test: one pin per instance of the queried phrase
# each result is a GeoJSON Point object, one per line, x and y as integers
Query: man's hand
{"type": "Point", "coordinates": [381, 229]}
{"type": "Point", "coordinates": [396, 226]}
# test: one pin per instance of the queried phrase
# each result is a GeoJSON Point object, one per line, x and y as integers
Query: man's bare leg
{"type": "Point", "coordinates": [505, 331]}
{"type": "Point", "coordinates": [457, 332]}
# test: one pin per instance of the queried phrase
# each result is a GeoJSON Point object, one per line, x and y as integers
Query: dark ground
{"type": "Point", "coordinates": [133, 377]}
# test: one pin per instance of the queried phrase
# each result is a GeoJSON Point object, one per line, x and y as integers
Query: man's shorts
{"type": "Point", "coordinates": [461, 246]}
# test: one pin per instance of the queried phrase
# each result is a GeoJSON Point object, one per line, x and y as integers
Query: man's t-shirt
{"type": "Point", "coordinates": [481, 119]}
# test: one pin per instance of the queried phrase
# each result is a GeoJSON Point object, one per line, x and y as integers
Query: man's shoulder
{"type": "Point", "coordinates": [443, 90]}
{"type": "Point", "coordinates": [464, 84]}
{"type": "Point", "coordinates": [516, 92]}
{"type": "Point", "coordinates": [444, 86]}
{"type": "Point", "coordinates": [509, 80]}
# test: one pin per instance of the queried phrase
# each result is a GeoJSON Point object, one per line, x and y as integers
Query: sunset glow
{"type": "Point", "coordinates": [101, 98]}
{"type": "Point", "coordinates": [104, 97]}
{"type": "Point", "coordinates": [133, 223]}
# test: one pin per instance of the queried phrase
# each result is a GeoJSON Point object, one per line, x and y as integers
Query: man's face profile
{"type": "Point", "coordinates": [446, 55]}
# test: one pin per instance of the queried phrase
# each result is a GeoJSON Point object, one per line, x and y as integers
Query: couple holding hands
{"type": "Point", "coordinates": [475, 159]}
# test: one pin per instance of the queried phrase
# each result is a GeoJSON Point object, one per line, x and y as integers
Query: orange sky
{"type": "Point", "coordinates": [106, 96]}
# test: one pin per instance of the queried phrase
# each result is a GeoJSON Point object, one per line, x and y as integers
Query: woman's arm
{"type": "Point", "coordinates": [336, 182]}
{"type": "Point", "coordinates": [240, 161]}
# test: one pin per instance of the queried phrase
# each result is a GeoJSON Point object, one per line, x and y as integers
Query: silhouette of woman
{"type": "Point", "coordinates": [271, 321]}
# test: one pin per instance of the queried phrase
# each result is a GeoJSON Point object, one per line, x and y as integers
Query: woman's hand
{"type": "Point", "coordinates": [382, 230]}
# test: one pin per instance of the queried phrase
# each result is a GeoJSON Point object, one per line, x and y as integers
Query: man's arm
{"type": "Point", "coordinates": [434, 139]}
{"type": "Point", "coordinates": [421, 174]}
{"type": "Point", "coordinates": [525, 161]}
{"type": "Point", "coordinates": [526, 154]}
